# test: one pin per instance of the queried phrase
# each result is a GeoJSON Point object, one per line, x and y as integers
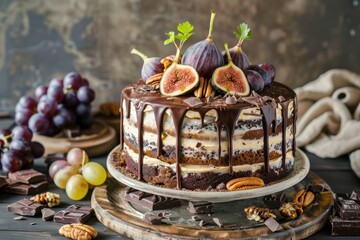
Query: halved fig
{"type": "Point", "coordinates": [230, 78]}
{"type": "Point", "coordinates": [178, 79]}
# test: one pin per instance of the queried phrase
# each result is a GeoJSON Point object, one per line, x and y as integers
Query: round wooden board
{"type": "Point", "coordinates": [97, 140]}
{"type": "Point", "coordinates": [126, 219]}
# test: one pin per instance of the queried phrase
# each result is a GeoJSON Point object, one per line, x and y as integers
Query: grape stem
{"type": "Point", "coordinates": [212, 18]}
{"type": "Point", "coordinates": [228, 53]}
{"type": "Point", "coordinates": [140, 54]}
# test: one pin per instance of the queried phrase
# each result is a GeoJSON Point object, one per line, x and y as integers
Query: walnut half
{"type": "Point", "coordinates": [291, 210]}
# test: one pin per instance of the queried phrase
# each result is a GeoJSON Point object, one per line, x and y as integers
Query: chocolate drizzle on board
{"type": "Point", "coordinates": [226, 116]}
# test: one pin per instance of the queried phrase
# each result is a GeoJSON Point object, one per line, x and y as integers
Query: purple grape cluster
{"type": "Point", "coordinates": [62, 104]}
{"type": "Point", "coordinates": [17, 151]}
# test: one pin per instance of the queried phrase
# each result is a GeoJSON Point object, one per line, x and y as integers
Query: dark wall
{"type": "Point", "coordinates": [42, 39]}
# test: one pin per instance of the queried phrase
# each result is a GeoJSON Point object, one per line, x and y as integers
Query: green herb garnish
{"type": "Point", "coordinates": [184, 33]}
{"type": "Point", "coordinates": [243, 32]}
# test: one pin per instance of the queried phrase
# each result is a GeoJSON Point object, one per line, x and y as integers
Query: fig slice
{"type": "Point", "coordinates": [178, 79]}
{"type": "Point", "coordinates": [230, 78]}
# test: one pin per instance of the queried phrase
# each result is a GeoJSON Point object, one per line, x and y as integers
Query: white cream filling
{"type": "Point", "coordinates": [189, 168]}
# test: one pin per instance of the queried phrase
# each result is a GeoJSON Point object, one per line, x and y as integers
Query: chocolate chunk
{"type": "Point", "coordinates": [152, 218]}
{"type": "Point", "coordinates": [25, 207]}
{"type": "Point", "coordinates": [200, 207]}
{"type": "Point", "coordinates": [149, 201]}
{"type": "Point", "coordinates": [273, 225]}
{"type": "Point", "coordinates": [27, 176]}
{"type": "Point", "coordinates": [26, 189]}
{"type": "Point", "coordinates": [74, 214]}
{"type": "Point", "coordinates": [274, 200]}
{"type": "Point", "coordinates": [347, 208]}
{"type": "Point", "coordinates": [318, 188]}
{"type": "Point", "coordinates": [230, 100]}
{"type": "Point", "coordinates": [47, 214]}
{"type": "Point", "coordinates": [218, 222]}
{"type": "Point", "coordinates": [345, 227]}
{"type": "Point", "coordinates": [193, 102]}
{"type": "Point", "coordinates": [203, 223]}
{"type": "Point", "coordinates": [3, 182]}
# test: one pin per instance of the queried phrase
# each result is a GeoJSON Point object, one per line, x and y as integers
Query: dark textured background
{"type": "Point", "coordinates": [41, 39]}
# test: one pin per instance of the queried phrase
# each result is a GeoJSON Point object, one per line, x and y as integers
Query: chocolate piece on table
{"type": "Point", "coordinates": [273, 225]}
{"type": "Point", "coordinates": [26, 189]}
{"type": "Point", "coordinates": [200, 207]}
{"type": "Point", "coordinates": [193, 102]}
{"type": "Point", "coordinates": [47, 214]}
{"type": "Point", "coordinates": [274, 200]}
{"type": "Point", "coordinates": [345, 227]}
{"type": "Point", "coordinates": [3, 182]}
{"type": "Point", "coordinates": [347, 208]}
{"type": "Point", "coordinates": [149, 201]}
{"type": "Point", "coordinates": [152, 218]}
{"type": "Point", "coordinates": [218, 222]}
{"type": "Point", "coordinates": [203, 223]}
{"type": "Point", "coordinates": [25, 207]}
{"type": "Point", "coordinates": [74, 214]}
{"type": "Point", "coordinates": [27, 176]}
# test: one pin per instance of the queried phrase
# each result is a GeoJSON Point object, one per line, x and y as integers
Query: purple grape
{"type": "Point", "coordinates": [84, 82]}
{"type": "Point", "coordinates": [52, 129]}
{"type": "Point", "coordinates": [265, 76]}
{"type": "Point", "coordinates": [47, 107]}
{"type": "Point", "coordinates": [70, 100]}
{"type": "Point", "coordinates": [38, 123]}
{"type": "Point", "coordinates": [269, 68]}
{"type": "Point", "coordinates": [27, 161]}
{"type": "Point", "coordinates": [63, 118]}
{"type": "Point", "coordinates": [22, 117]}
{"type": "Point", "coordinates": [58, 82]}
{"type": "Point", "coordinates": [83, 110]}
{"type": "Point", "coordinates": [5, 132]}
{"type": "Point", "coordinates": [37, 149]}
{"type": "Point", "coordinates": [10, 161]}
{"type": "Point", "coordinates": [20, 146]}
{"type": "Point", "coordinates": [40, 91]}
{"type": "Point", "coordinates": [85, 94]}
{"type": "Point", "coordinates": [22, 132]}
{"type": "Point", "coordinates": [43, 98]}
{"type": "Point", "coordinates": [55, 93]}
{"type": "Point", "coordinates": [72, 81]}
{"type": "Point", "coordinates": [28, 103]}
{"type": "Point", "coordinates": [255, 80]}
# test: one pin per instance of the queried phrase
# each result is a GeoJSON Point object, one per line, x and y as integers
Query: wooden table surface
{"type": "Point", "coordinates": [336, 172]}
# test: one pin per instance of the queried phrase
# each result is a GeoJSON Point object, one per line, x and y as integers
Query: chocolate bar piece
{"type": "Point", "coordinates": [193, 102]}
{"type": "Point", "coordinates": [3, 182]}
{"type": "Point", "coordinates": [27, 176]}
{"type": "Point", "coordinates": [74, 214]}
{"type": "Point", "coordinates": [345, 227]}
{"type": "Point", "coordinates": [25, 207]}
{"type": "Point", "coordinates": [273, 225]}
{"type": "Point", "coordinates": [274, 200]}
{"type": "Point", "coordinates": [152, 218]}
{"type": "Point", "coordinates": [149, 201]}
{"type": "Point", "coordinates": [47, 214]}
{"type": "Point", "coordinates": [26, 189]}
{"type": "Point", "coordinates": [200, 207]}
{"type": "Point", "coordinates": [347, 208]}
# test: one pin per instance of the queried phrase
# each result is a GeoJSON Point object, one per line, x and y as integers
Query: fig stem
{"type": "Point", "coordinates": [140, 54]}
{"type": "Point", "coordinates": [212, 18]}
{"type": "Point", "coordinates": [227, 53]}
{"type": "Point", "coordinates": [177, 56]}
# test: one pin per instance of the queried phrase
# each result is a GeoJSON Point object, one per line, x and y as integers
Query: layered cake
{"type": "Point", "coordinates": [205, 136]}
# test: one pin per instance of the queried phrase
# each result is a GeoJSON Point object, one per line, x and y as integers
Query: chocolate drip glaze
{"type": "Point", "coordinates": [294, 125]}
{"type": "Point", "coordinates": [284, 115]}
{"type": "Point", "coordinates": [227, 116]}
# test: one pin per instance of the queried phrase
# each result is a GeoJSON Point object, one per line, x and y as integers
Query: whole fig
{"type": "Point", "coordinates": [230, 78]}
{"type": "Point", "coordinates": [255, 80]}
{"type": "Point", "coordinates": [264, 74]}
{"type": "Point", "coordinates": [269, 68]}
{"type": "Point", "coordinates": [151, 65]}
{"type": "Point", "coordinates": [204, 56]}
{"type": "Point", "coordinates": [238, 56]}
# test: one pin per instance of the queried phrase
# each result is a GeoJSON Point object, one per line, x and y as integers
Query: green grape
{"type": "Point", "coordinates": [62, 176]}
{"type": "Point", "coordinates": [77, 187]}
{"type": "Point", "coordinates": [94, 173]}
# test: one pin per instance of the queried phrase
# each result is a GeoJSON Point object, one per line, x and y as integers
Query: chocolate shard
{"type": "Point", "coordinates": [203, 223]}
{"type": "Point", "coordinates": [3, 182]}
{"type": "Point", "coordinates": [346, 207]}
{"type": "Point", "coordinates": [274, 200]}
{"type": "Point", "coordinates": [152, 218]}
{"type": "Point", "coordinates": [273, 225]}
{"type": "Point", "coordinates": [202, 207]}
{"type": "Point", "coordinates": [193, 102]}
{"type": "Point", "coordinates": [47, 214]}
{"type": "Point", "coordinates": [74, 214]}
{"type": "Point", "coordinates": [218, 222]}
{"type": "Point", "coordinates": [26, 189]}
{"type": "Point", "coordinates": [25, 207]}
{"type": "Point", "coordinates": [344, 227]}
{"type": "Point", "coordinates": [27, 176]}
{"type": "Point", "coordinates": [149, 201]}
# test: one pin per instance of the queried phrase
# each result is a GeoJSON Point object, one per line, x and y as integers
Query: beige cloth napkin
{"type": "Point", "coordinates": [329, 116]}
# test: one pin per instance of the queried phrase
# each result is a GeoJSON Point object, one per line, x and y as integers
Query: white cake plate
{"type": "Point", "coordinates": [299, 172]}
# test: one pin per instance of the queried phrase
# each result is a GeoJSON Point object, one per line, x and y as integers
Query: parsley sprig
{"type": "Point", "coordinates": [243, 32]}
{"type": "Point", "coordinates": [185, 31]}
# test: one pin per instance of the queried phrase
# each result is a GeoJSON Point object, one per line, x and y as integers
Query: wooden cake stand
{"type": "Point", "coordinates": [127, 219]}
{"type": "Point", "coordinates": [99, 139]}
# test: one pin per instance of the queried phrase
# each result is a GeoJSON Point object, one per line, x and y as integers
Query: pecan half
{"type": "Point", "coordinates": [78, 231]}
{"type": "Point", "coordinates": [303, 197]}
{"type": "Point", "coordinates": [244, 183]}
{"type": "Point", "coordinates": [154, 80]}
{"type": "Point", "coordinates": [204, 89]}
